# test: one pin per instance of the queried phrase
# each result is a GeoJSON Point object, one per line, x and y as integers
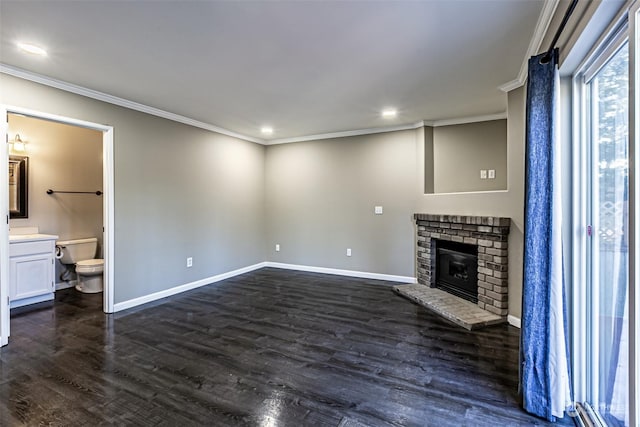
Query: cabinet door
{"type": "Point", "coordinates": [30, 275]}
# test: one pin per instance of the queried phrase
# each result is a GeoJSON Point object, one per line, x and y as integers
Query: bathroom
{"type": "Point", "coordinates": [68, 160]}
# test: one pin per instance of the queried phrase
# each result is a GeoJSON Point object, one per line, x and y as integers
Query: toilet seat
{"type": "Point", "coordinates": [90, 266]}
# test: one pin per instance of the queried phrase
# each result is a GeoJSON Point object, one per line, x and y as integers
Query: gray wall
{"type": "Point", "coordinates": [321, 197]}
{"type": "Point", "coordinates": [429, 178]}
{"type": "Point", "coordinates": [321, 194]}
{"type": "Point", "coordinates": [179, 191]}
{"type": "Point", "coordinates": [182, 191]}
{"type": "Point", "coordinates": [461, 151]}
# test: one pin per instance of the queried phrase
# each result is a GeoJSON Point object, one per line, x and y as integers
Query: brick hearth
{"type": "Point", "coordinates": [488, 234]}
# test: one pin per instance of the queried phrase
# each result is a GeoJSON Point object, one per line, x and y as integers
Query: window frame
{"type": "Point", "coordinates": [624, 28]}
{"type": "Point", "coordinates": [634, 212]}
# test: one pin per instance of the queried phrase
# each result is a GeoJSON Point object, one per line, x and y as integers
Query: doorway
{"type": "Point", "coordinates": [107, 197]}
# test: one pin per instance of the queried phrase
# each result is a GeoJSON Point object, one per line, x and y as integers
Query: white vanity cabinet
{"type": "Point", "coordinates": [31, 269]}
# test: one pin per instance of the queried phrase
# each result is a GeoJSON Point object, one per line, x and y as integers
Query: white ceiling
{"type": "Point", "coordinates": [302, 67]}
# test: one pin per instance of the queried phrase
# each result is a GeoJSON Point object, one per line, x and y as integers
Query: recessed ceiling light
{"type": "Point", "coordinates": [389, 113]}
{"type": "Point", "coordinates": [32, 49]}
{"type": "Point", "coordinates": [267, 130]}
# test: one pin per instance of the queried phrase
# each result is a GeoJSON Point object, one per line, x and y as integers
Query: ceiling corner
{"type": "Point", "coordinates": [544, 20]}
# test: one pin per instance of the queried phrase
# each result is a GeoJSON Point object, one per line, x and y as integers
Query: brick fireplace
{"type": "Point", "coordinates": [488, 234]}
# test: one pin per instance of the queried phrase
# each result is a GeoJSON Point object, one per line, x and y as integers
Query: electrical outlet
{"type": "Point", "coordinates": [189, 262]}
{"type": "Point", "coordinates": [483, 174]}
{"type": "Point", "coordinates": [348, 251]}
{"type": "Point", "coordinates": [277, 247]}
{"type": "Point", "coordinates": [492, 174]}
{"type": "Point", "coordinates": [377, 210]}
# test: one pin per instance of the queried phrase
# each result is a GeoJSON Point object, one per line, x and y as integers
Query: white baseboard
{"type": "Point", "coordinates": [183, 288]}
{"type": "Point", "coordinates": [65, 285]}
{"type": "Point", "coordinates": [349, 273]}
{"type": "Point", "coordinates": [213, 279]}
{"type": "Point", "coordinates": [514, 321]}
{"type": "Point", "coordinates": [31, 300]}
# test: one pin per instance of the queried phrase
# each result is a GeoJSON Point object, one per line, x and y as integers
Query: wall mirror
{"type": "Point", "coordinates": [18, 187]}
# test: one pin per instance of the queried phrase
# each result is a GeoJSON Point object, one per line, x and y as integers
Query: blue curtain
{"type": "Point", "coordinates": [543, 370]}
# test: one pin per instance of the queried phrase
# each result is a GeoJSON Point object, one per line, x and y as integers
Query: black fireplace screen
{"type": "Point", "coordinates": [457, 269]}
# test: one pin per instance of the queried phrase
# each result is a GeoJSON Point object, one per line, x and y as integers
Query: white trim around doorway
{"type": "Point", "coordinates": [108, 207]}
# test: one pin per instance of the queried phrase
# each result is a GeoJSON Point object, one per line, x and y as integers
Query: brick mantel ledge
{"type": "Point", "coordinates": [464, 219]}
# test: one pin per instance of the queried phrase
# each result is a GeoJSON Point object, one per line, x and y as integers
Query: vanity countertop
{"type": "Point", "coordinates": [34, 237]}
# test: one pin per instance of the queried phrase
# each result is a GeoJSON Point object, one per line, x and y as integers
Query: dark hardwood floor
{"type": "Point", "coordinates": [268, 348]}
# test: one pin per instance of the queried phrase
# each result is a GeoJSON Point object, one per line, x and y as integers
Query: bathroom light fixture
{"type": "Point", "coordinates": [389, 113]}
{"type": "Point", "coordinates": [32, 49]}
{"type": "Point", "coordinates": [267, 130]}
{"type": "Point", "coordinates": [17, 144]}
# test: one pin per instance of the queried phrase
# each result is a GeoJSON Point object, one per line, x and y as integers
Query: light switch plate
{"type": "Point", "coordinates": [483, 174]}
{"type": "Point", "coordinates": [378, 210]}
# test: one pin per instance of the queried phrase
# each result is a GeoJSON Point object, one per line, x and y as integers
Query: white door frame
{"type": "Point", "coordinates": [108, 208]}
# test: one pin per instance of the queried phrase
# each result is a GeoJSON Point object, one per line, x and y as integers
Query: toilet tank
{"type": "Point", "coordinates": [77, 250]}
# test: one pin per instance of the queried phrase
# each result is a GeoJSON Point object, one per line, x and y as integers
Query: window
{"type": "Point", "coordinates": [601, 291]}
{"type": "Point", "coordinates": [608, 320]}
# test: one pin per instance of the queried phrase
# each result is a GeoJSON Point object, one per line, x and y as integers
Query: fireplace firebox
{"type": "Point", "coordinates": [457, 269]}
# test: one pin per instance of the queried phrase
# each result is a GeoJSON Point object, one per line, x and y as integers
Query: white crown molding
{"type": "Point", "coordinates": [343, 134]}
{"type": "Point", "coordinates": [371, 131]}
{"type": "Point", "coordinates": [472, 119]}
{"type": "Point", "coordinates": [512, 85]}
{"type": "Point", "coordinates": [544, 20]}
{"type": "Point", "coordinates": [104, 97]}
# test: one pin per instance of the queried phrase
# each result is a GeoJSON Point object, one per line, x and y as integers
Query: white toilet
{"type": "Point", "coordinates": [82, 252]}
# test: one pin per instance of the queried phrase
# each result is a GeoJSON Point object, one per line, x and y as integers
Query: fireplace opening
{"type": "Point", "coordinates": [457, 269]}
